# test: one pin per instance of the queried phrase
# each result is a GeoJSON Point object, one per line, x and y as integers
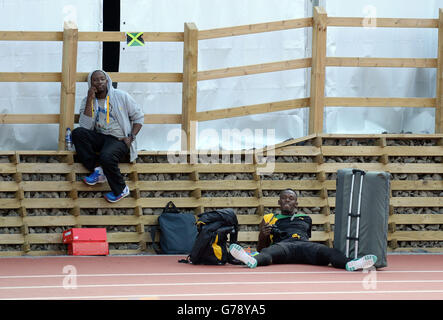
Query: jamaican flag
{"type": "Point", "coordinates": [135, 39]}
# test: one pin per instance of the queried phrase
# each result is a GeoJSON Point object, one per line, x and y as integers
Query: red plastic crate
{"type": "Point", "coordinates": [84, 234]}
{"type": "Point", "coordinates": [92, 248]}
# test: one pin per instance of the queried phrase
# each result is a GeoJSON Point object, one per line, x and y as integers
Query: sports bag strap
{"type": "Point", "coordinates": [170, 208]}
{"type": "Point", "coordinates": [154, 230]}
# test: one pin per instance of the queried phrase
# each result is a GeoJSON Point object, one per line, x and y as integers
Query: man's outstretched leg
{"type": "Point", "coordinates": [275, 254]}
{"type": "Point", "coordinates": [272, 254]}
{"type": "Point", "coordinates": [337, 259]}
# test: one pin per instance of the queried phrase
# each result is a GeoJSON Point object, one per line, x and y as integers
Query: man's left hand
{"type": "Point", "coordinates": [127, 140]}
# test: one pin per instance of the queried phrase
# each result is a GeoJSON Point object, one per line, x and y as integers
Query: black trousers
{"type": "Point", "coordinates": [95, 148]}
{"type": "Point", "coordinates": [301, 252]}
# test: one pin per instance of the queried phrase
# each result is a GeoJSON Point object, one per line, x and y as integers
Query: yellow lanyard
{"type": "Point", "coordinates": [107, 108]}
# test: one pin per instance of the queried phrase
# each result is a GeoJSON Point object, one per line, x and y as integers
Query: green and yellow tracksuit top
{"type": "Point", "coordinates": [289, 227]}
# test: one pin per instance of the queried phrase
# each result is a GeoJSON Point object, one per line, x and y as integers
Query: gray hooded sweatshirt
{"type": "Point", "coordinates": [124, 107]}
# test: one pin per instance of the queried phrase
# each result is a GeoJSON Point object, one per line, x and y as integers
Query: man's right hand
{"type": "Point", "coordinates": [89, 101]}
{"type": "Point", "coordinates": [91, 93]}
{"type": "Point", "coordinates": [266, 229]}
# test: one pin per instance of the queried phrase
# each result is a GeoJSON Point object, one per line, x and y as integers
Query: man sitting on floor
{"type": "Point", "coordinates": [284, 238]}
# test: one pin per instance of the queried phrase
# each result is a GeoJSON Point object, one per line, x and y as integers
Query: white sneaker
{"type": "Point", "coordinates": [240, 254]}
{"type": "Point", "coordinates": [364, 262]}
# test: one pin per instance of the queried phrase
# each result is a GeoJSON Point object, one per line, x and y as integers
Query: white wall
{"type": "Point", "coordinates": [41, 56]}
{"type": "Point", "coordinates": [381, 82]}
{"type": "Point", "coordinates": [170, 15]}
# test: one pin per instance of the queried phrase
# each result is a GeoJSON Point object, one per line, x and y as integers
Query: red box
{"type": "Point", "coordinates": [84, 234]}
{"type": "Point", "coordinates": [93, 248]}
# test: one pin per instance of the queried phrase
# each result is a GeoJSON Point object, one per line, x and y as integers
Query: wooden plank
{"type": "Point", "coordinates": [406, 136]}
{"type": "Point", "coordinates": [249, 236]}
{"type": "Point", "coordinates": [11, 222]}
{"type": "Point", "coordinates": [252, 109]}
{"type": "Point", "coordinates": [8, 186]}
{"type": "Point", "coordinates": [144, 168]}
{"type": "Point", "coordinates": [118, 220]}
{"type": "Point", "coordinates": [137, 76]}
{"type": "Point", "coordinates": [189, 87]}
{"type": "Point", "coordinates": [29, 118]}
{"type": "Point", "coordinates": [64, 168]}
{"type": "Point", "coordinates": [287, 143]}
{"type": "Point", "coordinates": [298, 151]}
{"type": "Point", "coordinates": [30, 77]}
{"type": "Point", "coordinates": [318, 70]}
{"type": "Point", "coordinates": [390, 167]}
{"type": "Point", "coordinates": [252, 219]}
{"type": "Point", "coordinates": [49, 221]}
{"type": "Point", "coordinates": [416, 218]}
{"type": "Point", "coordinates": [254, 28]}
{"type": "Point", "coordinates": [413, 151]}
{"type": "Point", "coordinates": [296, 167]}
{"type": "Point", "coordinates": [415, 202]}
{"type": "Point", "coordinates": [9, 204]}
{"type": "Point", "coordinates": [416, 236]}
{"type": "Point", "coordinates": [124, 237]}
{"type": "Point", "coordinates": [12, 253]}
{"type": "Point", "coordinates": [381, 62]}
{"type": "Point", "coordinates": [297, 184]}
{"type": "Point", "coordinates": [68, 81]}
{"type": "Point", "coordinates": [412, 185]}
{"type": "Point", "coordinates": [219, 202]}
{"type": "Point", "coordinates": [408, 151]}
{"type": "Point", "coordinates": [254, 69]}
{"type": "Point", "coordinates": [44, 238]}
{"type": "Point", "coordinates": [407, 202]}
{"type": "Point", "coordinates": [383, 22]}
{"type": "Point", "coordinates": [45, 168]}
{"type": "Point", "coordinates": [439, 77]}
{"type": "Point", "coordinates": [93, 203]}
{"type": "Point", "coordinates": [7, 168]}
{"type": "Point", "coordinates": [48, 203]}
{"type": "Point", "coordinates": [45, 186]}
{"type": "Point", "coordinates": [115, 36]}
{"type": "Point", "coordinates": [31, 36]}
{"type": "Point", "coordinates": [381, 102]}
{"type": "Point", "coordinates": [201, 184]}
{"type": "Point", "coordinates": [11, 239]}
{"type": "Point", "coordinates": [163, 119]}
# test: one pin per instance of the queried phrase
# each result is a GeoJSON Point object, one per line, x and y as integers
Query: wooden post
{"type": "Point", "coordinates": [68, 81]}
{"type": "Point", "coordinates": [439, 92]}
{"type": "Point", "coordinates": [189, 95]}
{"type": "Point", "coordinates": [318, 67]}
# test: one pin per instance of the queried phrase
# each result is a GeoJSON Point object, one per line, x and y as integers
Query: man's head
{"type": "Point", "coordinates": [99, 81]}
{"type": "Point", "coordinates": [288, 201]}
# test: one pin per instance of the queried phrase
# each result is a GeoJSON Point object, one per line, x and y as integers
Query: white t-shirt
{"type": "Point", "coordinates": [112, 128]}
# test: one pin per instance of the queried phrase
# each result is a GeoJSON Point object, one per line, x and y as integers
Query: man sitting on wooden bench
{"type": "Point", "coordinates": [109, 121]}
{"type": "Point", "coordinates": [284, 238]}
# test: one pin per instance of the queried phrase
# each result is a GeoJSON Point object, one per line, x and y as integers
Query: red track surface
{"type": "Point", "coordinates": [163, 278]}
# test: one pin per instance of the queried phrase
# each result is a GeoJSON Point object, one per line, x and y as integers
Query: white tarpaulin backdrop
{"type": "Point", "coordinates": [381, 82]}
{"type": "Point", "coordinates": [255, 131]}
